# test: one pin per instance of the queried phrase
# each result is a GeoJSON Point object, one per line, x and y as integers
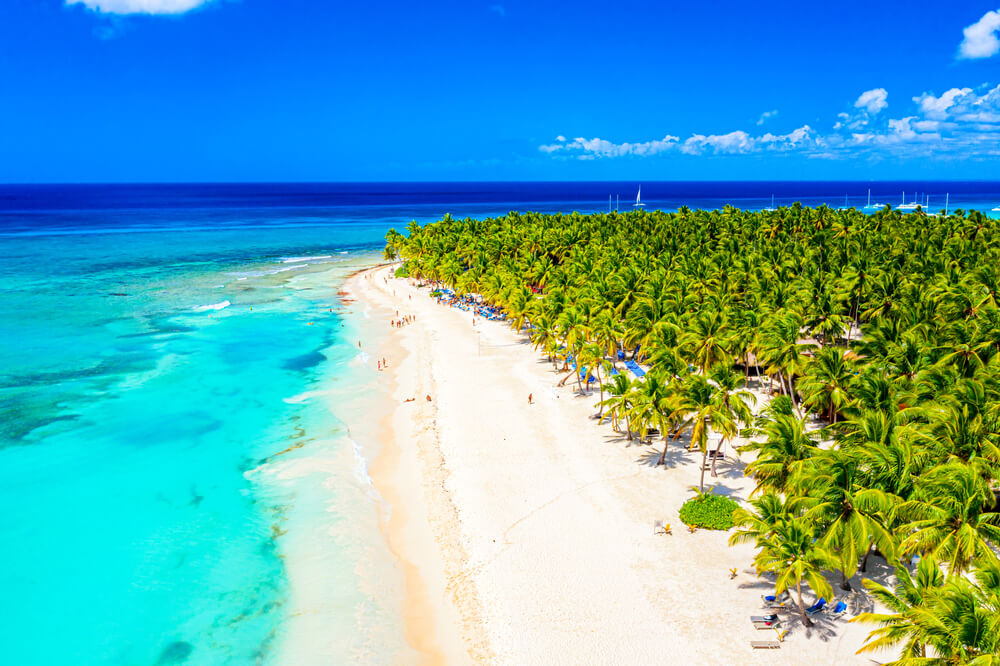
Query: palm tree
{"type": "Point", "coordinates": [908, 604]}
{"type": "Point", "coordinates": [792, 552]}
{"type": "Point", "coordinates": [698, 407]}
{"type": "Point", "coordinates": [571, 324]}
{"type": "Point", "coordinates": [619, 401]}
{"type": "Point", "coordinates": [769, 510]}
{"type": "Point", "coordinates": [951, 518]}
{"type": "Point", "coordinates": [781, 350]}
{"type": "Point", "coordinates": [826, 382]}
{"type": "Point", "coordinates": [787, 444]}
{"type": "Point", "coordinates": [852, 517]}
{"type": "Point", "coordinates": [652, 402]}
{"type": "Point", "coordinates": [708, 340]}
{"type": "Point", "coordinates": [734, 404]}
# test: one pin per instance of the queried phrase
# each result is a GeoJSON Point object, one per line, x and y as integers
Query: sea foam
{"type": "Point", "coordinates": [214, 306]}
{"type": "Point", "coordinates": [303, 397]}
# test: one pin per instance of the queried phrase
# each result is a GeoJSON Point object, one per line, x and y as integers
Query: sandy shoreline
{"type": "Point", "coordinates": [526, 532]}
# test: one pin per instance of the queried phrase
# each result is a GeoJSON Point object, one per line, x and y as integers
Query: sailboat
{"type": "Point", "coordinates": [870, 205]}
{"type": "Point", "coordinates": [638, 199]}
{"type": "Point", "coordinates": [908, 206]}
{"type": "Point", "coordinates": [772, 208]}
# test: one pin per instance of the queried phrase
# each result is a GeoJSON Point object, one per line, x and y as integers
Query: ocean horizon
{"type": "Point", "coordinates": [180, 395]}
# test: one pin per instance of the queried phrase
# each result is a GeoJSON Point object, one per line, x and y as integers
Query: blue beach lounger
{"type": "Point", "coordinates": [816, 607]}
{"type": "Point", "coordinates": [634, 367]}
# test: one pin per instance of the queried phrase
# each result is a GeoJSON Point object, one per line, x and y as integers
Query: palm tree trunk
{"type": "Point", "coordinates": [791, 393]}
{"type": "Point", "coordinates": [600, 412]}
{"type": "Point", "coordinates": [663, 456]}
{"type": "Point", "coordinates": [864, 560]}
{"type": "Point", "coordinates": [628, 426]}
{"type": "Point", "coordinates": [802, 608]}
{"type": "Point", "coordinates": [704, 461]}
{"type": "Point", "coordinates": [716, 457]}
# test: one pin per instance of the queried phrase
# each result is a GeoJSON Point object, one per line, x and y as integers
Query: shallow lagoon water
{"type": "Point", "coordinates": [157, 394]}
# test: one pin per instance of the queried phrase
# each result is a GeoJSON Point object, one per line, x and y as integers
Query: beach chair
{"type": "Point", "coordinates": [816, 607]}
{"type": "Point", "coordinates": [837, 610]}
{"type": "Point", "coordinates": [771, 617]}
{"type": "Point", "coordinates": [765, 645]}
{"type": "Point", "coordinates": [765, 626]}
{"type": "Point", "coordinates": [774, 599]}
{"type": "Point", "coordinates": [763, 622]}
{"type": "Point", "coordinates": [635, 369]}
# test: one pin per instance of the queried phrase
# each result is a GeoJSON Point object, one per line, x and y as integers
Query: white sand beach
{"type": "Point", "coordinates": [526, 532]}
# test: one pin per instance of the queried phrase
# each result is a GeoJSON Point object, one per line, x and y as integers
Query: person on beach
{"type": "Point", "coordinates": [529, 399]}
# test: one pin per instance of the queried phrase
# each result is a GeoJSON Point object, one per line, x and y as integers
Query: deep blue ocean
{"type": "Point", "coordinates": [178, 381]}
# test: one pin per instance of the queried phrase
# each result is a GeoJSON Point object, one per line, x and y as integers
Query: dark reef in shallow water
{"type": "Point", "coordinates": [175, 653]}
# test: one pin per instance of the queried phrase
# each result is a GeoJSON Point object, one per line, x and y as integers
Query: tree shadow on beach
{"type": "Point", "coordinates": [676, 457]}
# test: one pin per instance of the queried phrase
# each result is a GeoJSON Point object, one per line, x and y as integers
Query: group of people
{"type": "Point", "coordinates": [469, 303]}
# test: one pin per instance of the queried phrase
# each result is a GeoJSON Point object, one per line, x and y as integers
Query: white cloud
{"type": "Point", "coordinates": [937, 107]}
{"type": "Point", "coordinates": [602, 148]}
{"type": "Point", "coordinates": [975, 108]}
{"type": "Point", "coordinates": [734, 142]}
{"type": "Point", "coordinates": [872, 101]}
{"type": "Point", "coordinates": [980, 38]}
{"type": "Point", "coordinates": [140, 6]}
{"type": "Point", "coordinates": [962, 123]}
{"type": "Point", "coordinates": [767, 115]}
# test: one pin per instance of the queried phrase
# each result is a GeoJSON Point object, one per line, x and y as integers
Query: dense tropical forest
{"type": "Point", "coordinates": [880, 335]}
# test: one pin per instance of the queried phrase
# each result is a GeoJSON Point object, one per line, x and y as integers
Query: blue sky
{"type": "Point", "coordinates": [230, 90]}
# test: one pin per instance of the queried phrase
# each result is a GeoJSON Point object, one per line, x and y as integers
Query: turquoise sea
{"type": "Point", "coordinates": [180, 472]}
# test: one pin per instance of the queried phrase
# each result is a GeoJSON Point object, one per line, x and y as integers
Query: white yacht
{"type": "Point", "coordinates": [870, 205]}
{"type": "Point", "coordinates": [908, 206]}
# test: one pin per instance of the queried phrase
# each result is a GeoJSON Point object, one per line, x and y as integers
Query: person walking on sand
{"type": "Point", "coordinates": [529, 399]}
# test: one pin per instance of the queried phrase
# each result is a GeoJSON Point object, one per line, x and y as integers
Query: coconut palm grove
{"type": "Point", "coordinates": [874, 337]}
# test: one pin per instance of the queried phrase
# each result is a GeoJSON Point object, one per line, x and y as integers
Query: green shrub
{"type": "Point", "coordinates": [404, 270]}
{"type": "Point", "coordinates": [712, 512]}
